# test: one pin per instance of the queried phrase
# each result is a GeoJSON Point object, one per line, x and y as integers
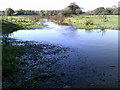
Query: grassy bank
{"type": "Point", "coordinates": [26, 64]}
{"type": "Point", "coordinates": [93, 21]}
{"type": "Point", "coordinates": [9, 54]}
{"type": "Point", "coordinates": [12, 23]}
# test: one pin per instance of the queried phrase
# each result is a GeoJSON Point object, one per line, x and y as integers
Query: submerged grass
{"type": "Point", "coordinates": [28, 63]}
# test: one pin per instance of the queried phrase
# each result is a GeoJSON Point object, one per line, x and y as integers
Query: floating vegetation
{"type": "Point", "coordinates": [34, 64]}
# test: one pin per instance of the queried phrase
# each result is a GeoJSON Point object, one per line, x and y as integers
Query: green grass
{"type": "Point", "coordinates": [8, 27]}
{"type": "Point", "coordinates": [98, 22]}
{"type": "Point", "coordinates": [9, 51]}
{"type": "Point", "coordinates": [12, 23]}
{"type": "Point", "coordinates": [9, 54]}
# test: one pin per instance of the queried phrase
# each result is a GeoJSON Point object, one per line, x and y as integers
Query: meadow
{"type": "Point", "coordinates": [12, 23]}
{"type": "Point", "coordinates": [93, 21]}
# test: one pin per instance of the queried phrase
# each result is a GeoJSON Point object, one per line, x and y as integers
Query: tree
{"type": "Point", "coordinates": [73, 8]}
{"type": "Point", "coordinates": [20, 12]}
{"type": "Point", "coordinates": [99, 11]}
{"type": "Point", "coordinates": [105, 11]}
{"type": "Point", "coordinates": [118, 10]}
{"type": "Point", "coordinates": [66, 12]}
{"type": "Point", "coordinates": [9, 12]}
{"type": "Point", "coordinates": [115, 12]}
{"type": "Point", "coordinates": [42, 13]}
{"type": "Point", "coordinates": [109, 11]}
{"type": "Point", "coordinates": [78, 11]}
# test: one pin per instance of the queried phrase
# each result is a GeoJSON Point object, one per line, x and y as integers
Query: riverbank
{"type": "Point", "coordinates": [79, 22]}
{"type": "Point", "coordinates": [93, 21]}
{"type": "Point", "coordinates": [10, 52]}
{"type": "Point", "coordinates": [13, 23]}
{"type": "Point", "coordinates": [17, 58]}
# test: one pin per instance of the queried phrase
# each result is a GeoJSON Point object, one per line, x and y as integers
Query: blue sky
{"type": "Point", "coordinates": [55, 4]}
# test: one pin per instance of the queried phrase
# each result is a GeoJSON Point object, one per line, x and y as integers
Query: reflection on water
{"type": "Point", "coordinates": [101, 31]}
{"type": "Point", "coordinates": [99, 46]}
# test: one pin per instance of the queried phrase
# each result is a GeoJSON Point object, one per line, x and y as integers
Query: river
{"type": "Point", "coordinates": [95, 61]}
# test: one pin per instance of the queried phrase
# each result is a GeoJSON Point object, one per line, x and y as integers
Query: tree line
{"type": "Point", "coordinates": [72, 9]}
{"type": "Point", "coordinates": [105, 11]}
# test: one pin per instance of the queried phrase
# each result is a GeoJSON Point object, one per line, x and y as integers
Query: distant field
{"type": "Point", "coordinates": [94, 21]}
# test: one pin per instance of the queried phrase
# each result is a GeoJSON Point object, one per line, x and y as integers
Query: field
{"type": "Point", "coordinates": [12, 23]}
{"type": "Point", "coordinates": [93, 21]}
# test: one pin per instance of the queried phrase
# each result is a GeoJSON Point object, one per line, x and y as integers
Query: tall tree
{"type": "Point", "coordinates": [9, 12]}
{"type": "Point", "coordinates": [20, 12]}
{"type": "Point", "coordinates": [73, 8]}
{"type": "Point", "coordinates": [99, 11]}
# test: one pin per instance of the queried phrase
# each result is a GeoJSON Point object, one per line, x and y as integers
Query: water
{"type": "Point", "coordinates": [96, 51]}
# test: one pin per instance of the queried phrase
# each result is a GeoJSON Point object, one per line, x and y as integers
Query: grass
{"type": "Point", "coordinates": [9, 54]}
{"type": "Point", "coordinates": [93, 21]}
{"type": "Point", "coordinates": [8, 27]}
{"type": "Point", "coordinates": [12, 23]}
{"type": "Point", "coordinates": [10, 51]}
{"type": "Point", "coordinates": [9, 61]}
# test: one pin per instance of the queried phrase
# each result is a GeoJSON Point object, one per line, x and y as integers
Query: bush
{"type": "Point", "coordinates": [88, 22]}
{"type": "Point", "coordinates": [66, 13]}
{"type": "Point", "coordinates": [9, 12]}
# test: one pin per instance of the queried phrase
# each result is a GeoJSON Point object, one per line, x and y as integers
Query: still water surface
{"type": "Point", "coordinates": [97, 51]}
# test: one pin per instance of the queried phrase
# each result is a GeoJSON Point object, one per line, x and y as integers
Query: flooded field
{"type": "Point", "coordinates": [64, 57]}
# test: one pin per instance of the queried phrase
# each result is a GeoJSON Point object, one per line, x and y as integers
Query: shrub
{"type": "Point", "coordinates": [88, 22]}
{"type": "Point", "coordinates": [9, 12]}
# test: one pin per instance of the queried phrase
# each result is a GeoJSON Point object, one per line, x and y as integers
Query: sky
{"type": "Point", "coordinates": [55, 4]}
